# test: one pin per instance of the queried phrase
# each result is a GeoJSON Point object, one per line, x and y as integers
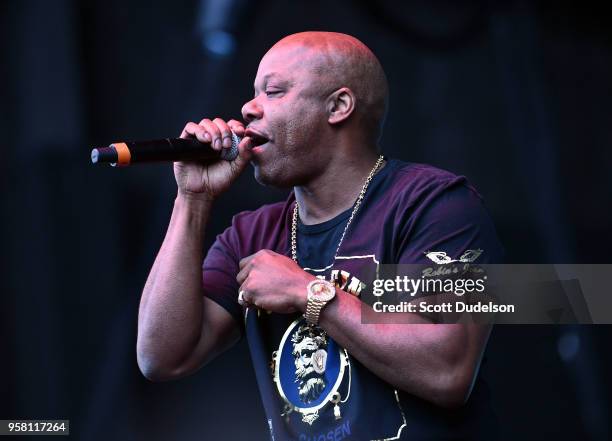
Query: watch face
{"type": "Point", "coordinates": [322, 290]}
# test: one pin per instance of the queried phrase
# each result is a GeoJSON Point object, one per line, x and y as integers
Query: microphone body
{"type": "Point", "coordinates": [162, 150]}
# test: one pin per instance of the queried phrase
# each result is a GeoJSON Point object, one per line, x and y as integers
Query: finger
{"type": "Point", "coordinates": [226, 132]}
{"type": "Point", "coordinates": [246, 260]}
{"type": "Point", "coordinates": [185, 133]}
{"type": "Point", "coordinates": [215, 133]}
{"type": "Point", "coordinates": [244, 153]}
{"type": "Point", "coordinates": [193, 130]}
{"type": "Point", "coordinates": [241, 300]}
{"type": "Point", "coordinates": [247, 296]}
{"type": "Point", "coordinates": [237, 127]}
{"type": "Point", "coordinates": [243, 274]}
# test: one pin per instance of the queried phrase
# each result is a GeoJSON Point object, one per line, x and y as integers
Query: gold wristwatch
{"type": "Point", "coordinates": [320, 293]}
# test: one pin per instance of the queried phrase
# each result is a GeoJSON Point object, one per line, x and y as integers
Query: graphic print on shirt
{"type": "Point", "coordinates": [309, 369]}
{"type": "Point", "coordinates": [324, 391]}
{"type": "Point", "coordinates": [410, 210]}
{"type": "Point", "coordinates": [441, 258]}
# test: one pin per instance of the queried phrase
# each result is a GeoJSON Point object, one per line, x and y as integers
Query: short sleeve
{"type": "Point", "coordinates": [219, 270]}
{"type": "Point", "coordinates": [450, 222]}
{"type": "Point", "coordinates": [450, 225]}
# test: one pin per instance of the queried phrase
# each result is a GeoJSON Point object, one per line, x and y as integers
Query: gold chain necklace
{"type": "Point", "coordinates": [356, 207]}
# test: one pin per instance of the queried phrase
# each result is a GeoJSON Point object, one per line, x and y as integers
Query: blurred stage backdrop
{"type": "Point", "coordinates": [516, 95]}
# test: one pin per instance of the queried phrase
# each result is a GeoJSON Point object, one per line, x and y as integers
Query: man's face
{"type": "Point", "coordinates": [286, 117]}
{"type": "Point", "coordinates": [303, 358]}
{"type": "Point", "coordinates": [311, 381]}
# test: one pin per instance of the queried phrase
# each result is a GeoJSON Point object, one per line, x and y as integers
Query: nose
{"type": "Point", "coordinates": [252, 110]}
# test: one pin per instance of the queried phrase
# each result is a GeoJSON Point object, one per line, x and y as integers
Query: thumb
{"type": "Point", "coordinates": [244, 153]}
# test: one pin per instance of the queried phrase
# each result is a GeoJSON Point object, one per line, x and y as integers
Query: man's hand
{"type": "Point", "coordinates": [273, 282]}
{"type": "Point", "coordinates": [208, 181]}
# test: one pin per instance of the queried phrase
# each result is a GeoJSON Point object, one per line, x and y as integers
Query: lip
{"type": "Point", "coordinates": [252, 133]}
{"type": "Point", "coordinates": [260, 147]}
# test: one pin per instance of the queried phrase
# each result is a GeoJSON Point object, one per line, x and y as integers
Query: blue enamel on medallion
{"type": "Point", "coordinates": [310, 367]}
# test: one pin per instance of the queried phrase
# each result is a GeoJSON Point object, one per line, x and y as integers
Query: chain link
{"type": "Point", "coordinates": [355, 208]}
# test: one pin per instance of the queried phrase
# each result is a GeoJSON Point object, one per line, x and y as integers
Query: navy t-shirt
{"type": "Point", "coordinates": [408, 210]}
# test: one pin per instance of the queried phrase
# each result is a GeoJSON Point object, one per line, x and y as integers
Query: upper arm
{"type": "Point", "coordinates": [456, 351]}
{"type": "Point", "coordinates": [222, 316]}
{"type": "Point", "coordinates": [451, 220]}
{"type": "Point", "coordinates": [468, 361]}
{"type": "Point", "coordinates": [454, 221]}
{"type": "Point", "coordinates": [219, 332]}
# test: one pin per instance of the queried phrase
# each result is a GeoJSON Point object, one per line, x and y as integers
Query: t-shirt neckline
{"type": "Point", "coordinates": [333, 222]}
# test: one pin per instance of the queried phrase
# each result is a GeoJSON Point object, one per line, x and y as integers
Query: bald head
{"type": "Point", "coordinates": [339, 60]}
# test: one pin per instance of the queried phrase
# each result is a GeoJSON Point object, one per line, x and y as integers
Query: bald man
{"type": "Point", "coordinates": [289, 276]}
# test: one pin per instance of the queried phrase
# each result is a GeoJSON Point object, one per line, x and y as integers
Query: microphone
{"type": "Point", "coordinates": [162, 150]}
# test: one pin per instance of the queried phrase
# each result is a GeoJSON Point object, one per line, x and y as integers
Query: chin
{"type": "Point", "coordinates": [267, 176]}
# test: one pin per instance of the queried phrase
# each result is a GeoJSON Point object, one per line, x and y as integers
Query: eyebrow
{"type": "Point", "coordinates": [267, 77]}
{"type": "Point", "coordinates": [270, 75]}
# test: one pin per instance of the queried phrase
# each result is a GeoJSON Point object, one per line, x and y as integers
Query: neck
{"type": "Point", "coordinates": [335, 189]}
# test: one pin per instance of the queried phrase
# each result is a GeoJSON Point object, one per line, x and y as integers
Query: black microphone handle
{"type": "Point", "coordinates": [162, 150]}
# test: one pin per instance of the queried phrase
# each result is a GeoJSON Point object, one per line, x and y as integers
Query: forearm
{"type": "Point", "coordinates": [432, 361]}
{"type": "Point", "coordinates": [170, 314]}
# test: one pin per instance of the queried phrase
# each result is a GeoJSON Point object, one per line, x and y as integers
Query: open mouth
{"type": "Point", "coordinates": [257, 138]}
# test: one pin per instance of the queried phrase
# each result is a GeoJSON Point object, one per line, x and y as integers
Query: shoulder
{"type": "Point", "coordinates": [257, 229]}
{"type": "Point", "coordinates": [440, 210]}
{"type": "Point", "coordinates": [414, 184]}
{"type": "Point", "coordinates": [416, 176]}
{"type": "Point", "coordinates": [266, 214]}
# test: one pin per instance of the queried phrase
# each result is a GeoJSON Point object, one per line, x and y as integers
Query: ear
{"type": "Point", "coordinates": [340, 105]}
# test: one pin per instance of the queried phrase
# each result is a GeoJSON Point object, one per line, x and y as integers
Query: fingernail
{"type": "Point", "coordinates": [227, 143]}
{"type": "Point", "coordinates": [206, 137]}
{"type": "Point", "coordinates": [217, 143]}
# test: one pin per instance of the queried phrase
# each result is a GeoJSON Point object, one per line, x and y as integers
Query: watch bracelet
{"type": "Point", "coordinates": [313, 311]}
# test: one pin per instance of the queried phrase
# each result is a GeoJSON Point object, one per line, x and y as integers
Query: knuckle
{"type": "Point", "coordinates": [189, 130]}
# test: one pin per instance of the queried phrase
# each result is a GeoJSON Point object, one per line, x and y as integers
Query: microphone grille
{"type": "Point", "coordinates": [231, 153]}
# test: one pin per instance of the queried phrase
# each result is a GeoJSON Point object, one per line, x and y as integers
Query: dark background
{"type": "Point", "coordinates": [516, 95]}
